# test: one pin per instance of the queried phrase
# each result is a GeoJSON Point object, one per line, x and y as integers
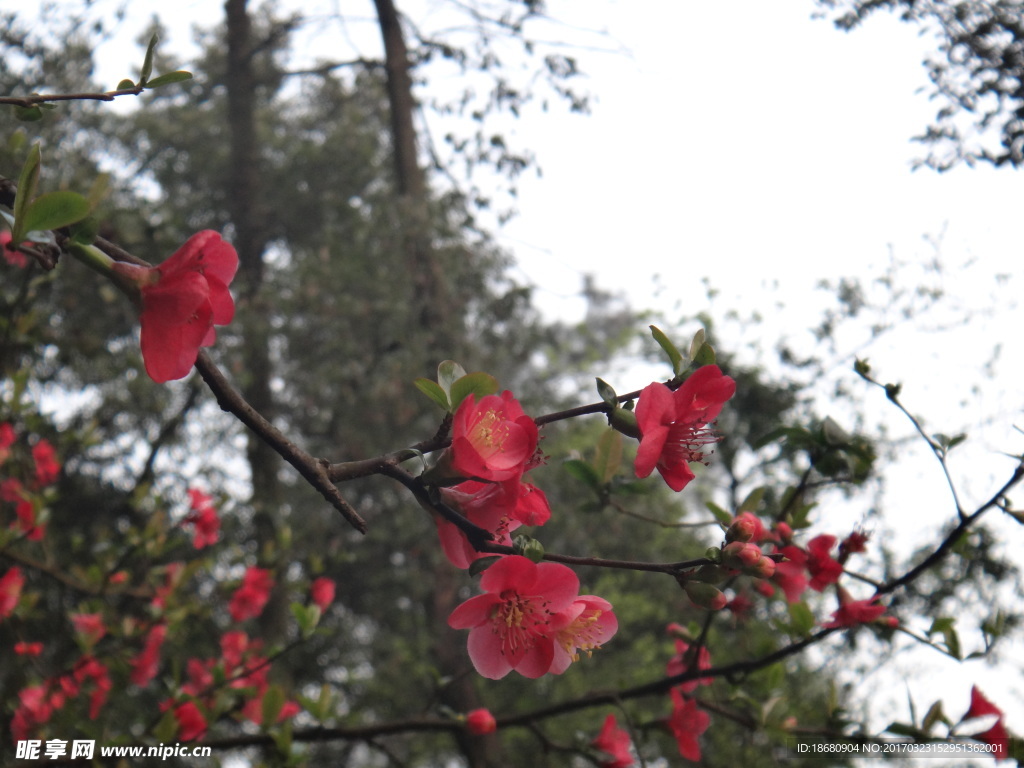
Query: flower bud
{"type": "Point", "coordinates": [742, 529]}
{"type": "Point", "coordinates": [705, 595]}
{"type": "Point", "coordinates": [741, 555]}
{"type": "Point", "coordinates": [763, 568]}
{"type": "Point", "coordinates": [481, 721]}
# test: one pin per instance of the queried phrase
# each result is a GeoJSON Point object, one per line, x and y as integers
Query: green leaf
{"type": "Point", "coordinates": [607, 393]}
{"type": "Point", "coordinates": [608, 456]}
{"type": "Point", "coordinates": [179, 76]}
{"type": "Point", "coordinates": [306, 616]}
{"type": "Point", "coordinates": [720, 514]}
{"type": "Point", "coordinates": [478, 383]}
{"type": "Point", "coordinates": [479, 566]}
{"type": "Point", "coordinates": [934, 715]}
{"type": "Point", "coordinates": [147, 64]}
{"type": "Point", "coordinates": [56, 209]}
{"type": "Point", "coordinates": [28, 181]}
{"type": "Point", "coordinates": [753, 500]}
{"type": "Point", "coordinates": [448, 372]}
{"type": "Point", "coordinates": [29, 114]}
{"type": "Point", "coordinates": [99, 189]}
{"type": "Point", "coordinates": [528, 547]}
{"type": "Point", "coordinates": [583, 472]}
{"type": "Point", "coordinates": [432, 390]}
{"type": "Point", "coordinates": [675, 357]}
{"type": "Point", "coordinates": [85, 231]}
{"type": "Point", "coordinates": [862, 369]}
{"type": "Point", "coordinates": [801, 618]}
{"type": "Point", "coordinates": [698, 341]}
{"type": "Point", "coordinates": [167, 727]}
{"type": "Point", "coordinates": [705, 355]}
{"type": "Point", "coordinates": [273, 701]}
{"type": "Point", "coordinates": [125, 85]}
{"type": "Point", "coordinates": [902, 729]}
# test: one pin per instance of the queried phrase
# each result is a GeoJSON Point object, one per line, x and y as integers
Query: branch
{"type": "Point", "coordinates": [35, 99]}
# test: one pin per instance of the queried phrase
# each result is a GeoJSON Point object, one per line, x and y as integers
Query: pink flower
{"type": "Point", "coordinates": [496, 507]}
{"type": "Point", "coordinates": [510, 625]}
{"type": "Point", "coordinates": [28, 649]}
{"type": "Point", "coordinates": [191, 723]}
{"type": "Point", "coordinates": [687, 723]}
{"type": "Point", "coordinates": [146, 664]}
{"type": "Point", "coordinates": [614, 742]}
{"type": "Point", "coordinates": [204, 519]}
{"type": "Point", "coordinates": [89, 669]}
{"type": "Point", "coordinates": [13, 256]}
{"type": "Point", "coordinates": [253, 709]}
{"type": "Point", "coordinates": [586, 624]}
{"type": "Point", "coordinates": [89, 626]}
{"type": "Point", "coordinates": [182, 299]}
{"type": "Point", "coordinates": [481, 721]}
{"type": "Point", "coordinates": [492, 438]}
{"type": "Point", "coordinates": [321, 591]}
{"type": "Point", "coordinates": [673, 425]}
{"type": "Point", "coordinates": [823, 568]}
{"type": "Point", "coordinates": [47, 466]}
{"type": "Point", "coordinates": [10, 591]}
{"type": "Point", "coordinates": [996, 736]}
{"type": "Point", "coordinates": [251, 597]}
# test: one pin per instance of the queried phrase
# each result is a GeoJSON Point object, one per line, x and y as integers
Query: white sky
{"type": "Point", "coordinates": [749, 144]}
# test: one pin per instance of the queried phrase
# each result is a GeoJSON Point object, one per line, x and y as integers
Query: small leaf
{"type": "Point", "coordinates": [801, 618]}
{"type": "Point", "coordinates": [607, 393]}
{"type": "Point", "coordinates": [28, 181]}
{"type": "Point", "coordinates": [862, 369]}
{"type": "Point", "coordinates": [720, 514]}
{"type": "Point", "coordinates": [84, 232]}
{"type": "Point", "coordinates": [273, 702]}
{"type": "Point", "coordinates": [608, 456]}
{"type": "Point", "coordinates": [705, 355]}
{"type": "Point", "coordinates": [902, 729]}
{"type": "Point", "coordinates": [432, 390]}
{"type": "Point", "coordinates": [29, 114]}
{"type": "Point", "coordinates": [478, 383]}
{"type": "Point", "coordinates": [447, 373]}
{"type": "Point", "coordinates": [179, 76]}
{"type": "Point", "coordinates": [167, 727]}
{"type": "Point", "coordinates": [99, 189]}
{"type": "Point", "coordinates": [583, 472]}
{"type": "Point", "coordinates": [528, 547]}
{"type": "Point", "coordinates": [698, 342]}
{"type": "Point", "coordinates": [56, 209]}
{"type": "Point", "coordinates": [753, 500]}
{"type": "Point", "coordinates": [479, 566]}
{"type": "Point", "coordinates": [675, 357]}
{"type": "Point", "coordinates": [125, 85]}
{"type": "Point", "coordinates": [147, 64]}
{"type": "Point", "coordinates": [933, 716]}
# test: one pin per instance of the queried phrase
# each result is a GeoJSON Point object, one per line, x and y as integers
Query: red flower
{"type": "Point", "coordinates": [481, 721]}
{"type": "Point", "coordinates": [250, 598]}
{"type": "Point", "coordinates": [13, 257]}
{"type": "Point", "coordinates": [34, 710]}
{"type": "Point", "coordinates": [28, 649]}
{"type": "Point", "coordinates": [182, 299]}
{"type": "Point", "coordinates": [88, 668]}
{"type": "Point", "coordinates": [683, 661]}
{"type": "Point", "coordinates": [673, 425]}
{"type": "Point", "coordinates": [204, 517]}
{"type": "Point", "coordinates": [321, 591]}
{"type": "Point", "coordinates": [89, 626]}
{"type": "Point", "coordinates": [6, 441]}
{"type": "Point", "coordinates": [586, 624]}
{"type": "Point", "coordinates": [789, 574]}
{"type": "Point", "coordinates": [687, 723]}
{"type": "Point", "coordinates": [47, 466]}
{"type": "Point", "coordinates": [191, 723]}
{"type": "Point", "coordinates": [496, 507]}
{"type": "Point", "coordinates": [510, 625]}
{"type": "Point", "coordinates": [614, 742]}
{"type": "Point", "coordinates": [10, 591]}
{"type": "Point", "coordinates": [492, 438]}
{"type": "Point", "coordinates": [146, 664]}
{"type": "Point", "coordinates": [854, 612]}
{"type": "Point", "coordinates": [996, 736]}
{"type": "Point", "coordinates": [823, 568]}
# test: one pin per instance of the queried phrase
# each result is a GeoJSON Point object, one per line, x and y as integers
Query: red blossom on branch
{"type": "Point", "coordinates": [321, 592]}
{"type": "Point", "coordinates": [89, 626]}
{"type": "Point", "coordinates": [250, 598]}
{"type": "Point", "coordinates": [586, 624]}
{"type": "Point", "coordinates": [510, 625]}
{"type": "Point", "coordinates": [492, 438]}
{"type": "Point", "coordinates": [673, 425]}
{"type": "Point", "coordinates": [191, 723]}
{"type": "Point", "coordinates": [203, 518]}
{"type": "Point", "coordinates": [182, 299]}
{"type": "Point", "coordinates": [997, 736]}
{"type": "Point", "coordinates": [10, 591]}
{"type": "Point", "coordinates": [28, 649]}
{"type": "Point", "coordinates": [481, 721]}
{"type": "Point", "coordinates": [7, 438]}
{"type": "Point", "coordinates": [47, 466]}
{"type": "Point", "coordinates": [824, 569]}
{"type": "Point", "coordinates": [146, 664]}
{"type": "Point", "coordinates": [687, 723]}
{"type": "Point", "coordinates": [854, 612]}
{"type": "Point", "coordinates": [613, 742]}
